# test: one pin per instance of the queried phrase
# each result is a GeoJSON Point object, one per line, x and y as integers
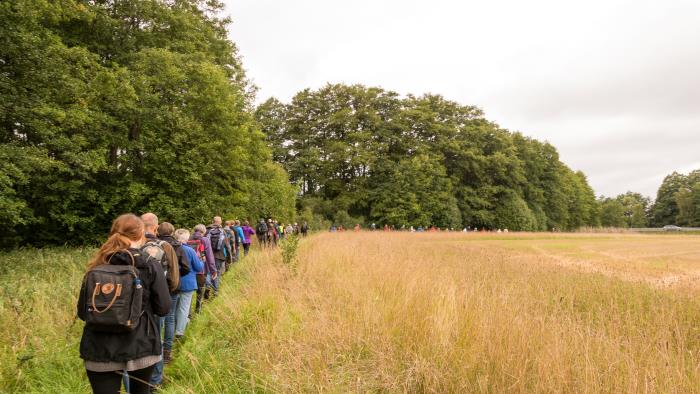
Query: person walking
{"type": "Point", "coordinates": [201, 243]}
{"type": "Point", "coordinates": [221, 249]}
{"type": "Point", "coordinates": [248, 233]}
{"type": "Point", "coordinates": [108, 355]}
{"type": "Point", "coordinates": [304, 229]}
{"type": "Point", "coordinates": [262, 233]}
{"type": "Point", "coordinates": [240, 237]}
{"type": "Point", "coordinates": [188, 283]}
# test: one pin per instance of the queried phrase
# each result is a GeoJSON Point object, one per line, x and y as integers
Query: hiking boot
{"type": "Point", "coordinates": [167, 356]}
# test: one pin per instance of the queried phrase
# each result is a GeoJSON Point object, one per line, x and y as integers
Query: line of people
{"type": "Point", "coordinates": [271, 232]}
{"type": "Point", "coordinates": [166, 268]}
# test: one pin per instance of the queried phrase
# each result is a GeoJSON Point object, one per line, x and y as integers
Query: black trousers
{"type": "Point", "coordinates": [111, 382]}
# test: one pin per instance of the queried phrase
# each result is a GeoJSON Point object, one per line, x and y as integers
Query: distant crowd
{"type": "Point", "coordinates": [146, 283]}
{"type": "Point", "coordinates": [419, 229]}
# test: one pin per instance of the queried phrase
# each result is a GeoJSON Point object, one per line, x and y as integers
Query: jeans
{"type": "Point", "coordinates": [220, 271]}
{"type": "Point", "coordinates": [157, 375]}
{"type": "Point", "coordinates": [169, 322]}
{"type": "Point", "coordinates": [246, 248]}
{"type": "Point", "coordinates": [182, 312]}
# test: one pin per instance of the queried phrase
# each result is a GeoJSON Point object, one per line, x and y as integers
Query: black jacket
{"type": "Point", "coordinates": [144, 340]}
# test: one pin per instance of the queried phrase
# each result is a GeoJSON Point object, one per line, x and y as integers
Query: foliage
{"type": "Point", "coordinates": [111, 107]}
{"type": "Point", "coordinates": [419, 161]}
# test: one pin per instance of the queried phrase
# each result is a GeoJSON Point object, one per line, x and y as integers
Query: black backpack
{"type": "Point", "coordinates": [262, 228]}
{"type": "Point", "coordinates": [113, 297]}
{"type": "Point", "coordinates": [216, 236]}
{"type": "Point", "coordinates": [182, 260]}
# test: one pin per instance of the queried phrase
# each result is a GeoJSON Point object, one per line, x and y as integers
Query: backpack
{"type": "Point", "coordinates": [217, 237]}
{"type": "Point", "coordinates": [182, 261]}
{"type": "Point", "coordinates": [154, 249]}
{"type": "Point", "coordinates": [198, 247]}
{"type": "Point", "coordinates": [113, 297]}
{"type": "Point", "coordinates": [261, 228]}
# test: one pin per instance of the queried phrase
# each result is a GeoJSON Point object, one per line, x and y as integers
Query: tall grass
{"type": "Point", "coordinates": [389, 312]}
{"type": "Point", "coordinates": [444, 313]}
{"type": "Point", "coordinates": [39, 334]}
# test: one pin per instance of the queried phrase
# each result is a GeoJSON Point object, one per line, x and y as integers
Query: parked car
{"type": "Point", "coordinates": [671, 227]}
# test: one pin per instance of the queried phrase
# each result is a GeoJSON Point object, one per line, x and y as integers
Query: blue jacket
{"type": "Point", "coordinates": [189, 281]}
{"type": "Point", "coordinates": [239, 231]}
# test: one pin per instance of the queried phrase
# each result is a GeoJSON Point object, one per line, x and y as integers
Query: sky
{"type": "Point", "coordinates": [613, 84]}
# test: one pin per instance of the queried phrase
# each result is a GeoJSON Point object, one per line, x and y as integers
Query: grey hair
{"type": "Point", "coordinates": [201, 228]}
{"type": "Point", "coordinates": [182, 234]}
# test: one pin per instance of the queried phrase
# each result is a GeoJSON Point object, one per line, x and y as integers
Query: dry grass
{"type": "Point", "coordinates": [405, 312]}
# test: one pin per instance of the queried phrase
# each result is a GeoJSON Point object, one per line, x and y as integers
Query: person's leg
{"type": "Point", "coordinates": [156, 378]}
{"type": "Point", "coordinates": [105, 382]}
{"type": "Point", "coordinates": [182, 313]}
{"type": "Point", "coordinates": [246, 248]}
{"type": "Point", "coordinates": [219, 269]}
{"type": "Point", "coordinates": [169, 332]}
{"type": "Point", "coordinates": [138, 377]}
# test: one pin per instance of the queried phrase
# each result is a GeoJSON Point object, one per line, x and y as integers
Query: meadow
{"type": "Point", "coordinates": [400, 312]}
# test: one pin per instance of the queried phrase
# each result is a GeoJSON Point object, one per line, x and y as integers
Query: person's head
{"type": "Point", "coordinates": [127, 231]}
{"type": "Point", "coordinates": [182, 235]}
{"type": "Point", "coordinates": [238, 223]}
{"type": "Point", "coordinates": [246, 223]}
{"type": "Point", "coordinates": [201, 228]}
{"type": "Point", "coordinates": [166, 229]}
{"type": "Point", "coordinates": [150, 221]}
{"type": "Point", "coordinates": [216, 221]}
{"type": "Point", "coordinates": [229, 223]}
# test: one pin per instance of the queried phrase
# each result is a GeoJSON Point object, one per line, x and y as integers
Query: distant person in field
{"type": "Point", "coordinates": [248, 233]}
{"type": "Point", "coordinates": [357, 227]}
{"type": "Point", "coordinates": [304, 229]}
{"type": "Point", "coordinates": [261, 233]}
{"type": "Point", "coordinates": [188, 283]}
{"type": "Point", "coordinates": [199, 241]}
{"type": "Point", "coordinates": [110, 355]}
{"type": "Point", "coordinates": [221, 249]}
{"type": "Point", "coordinates": [272, 235]}
{"type": "Point", "coordinates": [240, 238]}
{"type": "Point", "coordinates": [289, 230]}
{"type": "Point", "coordinates": [231, 238]}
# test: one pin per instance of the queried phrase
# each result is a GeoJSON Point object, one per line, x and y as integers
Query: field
{"type": "Point", "coordinates": [397, 312]}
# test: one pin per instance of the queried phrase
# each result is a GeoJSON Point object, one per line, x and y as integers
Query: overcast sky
{"type": "Point", "coordinates": [613, 84]}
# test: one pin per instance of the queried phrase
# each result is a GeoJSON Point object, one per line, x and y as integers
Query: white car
{"type": "Point", "coordinates": [671, 227]}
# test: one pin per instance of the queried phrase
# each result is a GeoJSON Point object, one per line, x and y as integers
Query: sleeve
{"type": "Point", "coordinates": [171, 256]}
{"type": "Point", "coordinates": [211, 265]}
{"type": "Point", "coordinates": [81, 302]}
{"type": "Point", "coordinates": [160, 295]}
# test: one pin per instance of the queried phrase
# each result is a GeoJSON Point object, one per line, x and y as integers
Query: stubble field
{"type": "Point", "coordinates": [401, 312]}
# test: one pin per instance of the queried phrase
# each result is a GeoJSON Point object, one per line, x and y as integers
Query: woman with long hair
{"type": "Point", "coordinates": [110, 355]}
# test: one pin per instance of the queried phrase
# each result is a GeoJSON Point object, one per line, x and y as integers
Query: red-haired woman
{"type": "Point", "coordinates": [109, 355]}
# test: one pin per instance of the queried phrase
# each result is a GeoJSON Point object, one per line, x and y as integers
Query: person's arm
{"type": "Point", "coordinates": [81, 302]}
{"type": "Point", "coordinates": [173, 265]}
{"type": "Point", "coordinates": [160, 295]}
{"type": "Point", "coordinates": [211, 264]}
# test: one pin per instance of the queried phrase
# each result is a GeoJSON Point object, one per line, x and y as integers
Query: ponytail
{"type": "Point", "coordinates": [126, 229]}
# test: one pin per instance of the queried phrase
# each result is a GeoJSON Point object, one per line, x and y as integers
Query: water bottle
{"type": "Point", "coordinates": [137, 283]}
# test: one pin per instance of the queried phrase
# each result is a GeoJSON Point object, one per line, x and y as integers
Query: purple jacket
{"type": "Point", "coordinates": [247, 232]}
{"type": "Point", "coordinates": [210, 265]}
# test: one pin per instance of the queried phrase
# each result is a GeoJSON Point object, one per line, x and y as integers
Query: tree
{"type": "Point", "coordinates": [110, 107]}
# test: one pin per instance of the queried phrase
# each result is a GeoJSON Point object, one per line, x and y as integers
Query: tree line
{"type": "Point", "coordinates": [126, 106]}
{"type": "Point", "coordinates": [677, 203]}
{"type": "Point", "coordinates": [364, 154]}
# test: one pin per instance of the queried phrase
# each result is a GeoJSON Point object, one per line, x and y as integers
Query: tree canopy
{"type": "Point", "coordinates": [109, 107]}
{"type": "Point", "coordinates": [365, 154]}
